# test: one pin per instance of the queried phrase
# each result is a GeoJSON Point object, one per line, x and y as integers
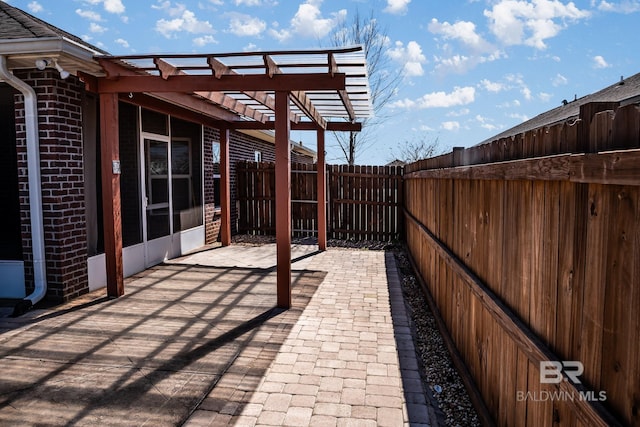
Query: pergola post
{"type": "Point", "coordinates": [283, 199]}
{"type": "Point", "coordinates": [225, 189]}
{"type": "Point", "coordinates": [322, 193]}
{"type": "Point", "coordinates": [112, 221]}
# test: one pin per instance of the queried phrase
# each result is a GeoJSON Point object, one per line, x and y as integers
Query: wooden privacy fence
{"type": "Point", "coordinates": [537, 259]}
{"type": "Point", "coordinates": [364, 202]}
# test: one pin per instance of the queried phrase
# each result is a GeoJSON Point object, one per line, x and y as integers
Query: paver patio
{"type": "Point", "coordinates": [196, 341]}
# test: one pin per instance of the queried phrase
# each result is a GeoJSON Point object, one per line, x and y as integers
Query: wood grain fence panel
{"type": "Point", "coordinates": [363, 201]}
{"type": "Point", "coordinates": [594, 283]}
{"type": "Point", "coordinates": [568, 272]}
{"type": "Point", "coordinates": [626, 128]}
{"type": "Point", "coordinates": [555, 240]}
{"type": "Point", "coordinates": [619, 339]}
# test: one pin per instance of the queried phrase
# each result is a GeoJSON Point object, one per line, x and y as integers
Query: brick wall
{"type": "Point", "coordinates": [62, 175]}
{"type": "Point", "coordinates": [241, 147]}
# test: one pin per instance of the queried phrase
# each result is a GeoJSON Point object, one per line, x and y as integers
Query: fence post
{"type": "Point", "coordinates": [457, 157]}
{"type": "Point", "coordinates": [587, 111]}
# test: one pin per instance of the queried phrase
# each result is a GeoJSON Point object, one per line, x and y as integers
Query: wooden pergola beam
{"type": "Point", "coordinates": [112, 216]}
{"type": "Point", "coordinates": [167, 70]}
{"type": "Point", "coordinates": [298, 97]}
{"type": "Point", "coordinates": [225, 188]}
{"type": "Point", "coordinates": [283, 201]}
{"type": "Point", "coordinates": [219, 69]}
{"type": "Point", "coordinates": [241, 83]}
{"type": "Point", "coordinates": [322, 192]}
{"type": "Point", "coordinates": [270, 125]}
{"type": "Point", "coordinates": [344, 96]}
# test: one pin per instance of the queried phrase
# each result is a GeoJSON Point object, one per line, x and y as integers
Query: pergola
{"type": "Point", "coordinates": [315, 90]}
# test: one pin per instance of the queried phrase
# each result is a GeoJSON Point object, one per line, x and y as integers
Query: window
{"type": "Point", "coordinates": [216, 175]}
{"type": "Point", "coordinates": [257, 155]}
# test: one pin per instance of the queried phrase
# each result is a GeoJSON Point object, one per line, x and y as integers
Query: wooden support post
{"type": "Point", "coordinates": [225, 189]}
{"type": "Point", "coordinates": [283, 200]}
{"type": "Point", "coordinates": [322, 193]}
{"type": "Point", "coordinates": [110, 164]}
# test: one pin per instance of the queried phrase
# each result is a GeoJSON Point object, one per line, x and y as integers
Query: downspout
{"type": "Point", "coordinates": [35, 188]}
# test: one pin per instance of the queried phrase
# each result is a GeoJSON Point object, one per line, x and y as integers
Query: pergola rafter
{"type": "Point", "coordinates": [260, 90]}
{"type": "Point", "coordinates": [219, 69]}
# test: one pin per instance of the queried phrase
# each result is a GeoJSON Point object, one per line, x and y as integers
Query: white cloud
{"type": "Point", "coordinates": [397, 7]}
{"type": "Point", "coordinates": [187, 22]}
{"type": "Point", "coordinates": [35, 7]}
{"type": "Point", "coordinates": [308, 20]}
{"type": "Point", "coordinates": [123, 43]}
{"type": "Point", "coordinates": [463, 31]}
{"type": "Point", "coordinates": [204, 40]}
{"type": "Point", "coordinates": [600, 62]}
{"type": "Point", "coordinates": [459, 96]}
{"type": "Point", "coordinates": [490, 86]}
{"type": "Point", "coordinates": [95, 28]}
{"type": "Point", "coordinates": [411, 56]}
{"type": "Point", "coordinates": [459, 64]}
{"type": "Point", "coordinates": [521, 117]}
{"type": "Point", "coordinates": [113, 6]}
{"type": "Point", "coordinates": [280, 35]}
{"type": "Point", "coordinates": [245, 25]}
{"type": "Point", "coordinates": [625, 6]}
{"type": "Point", "coordinates": [89, 14]}
{"type": "Point", "coordinates": [452, 125]}
{"type": "Point", "coordinates": [516, 22]}
{"type": "Point", "coordinates": [559, 80]}
{"type": "Point", "coordinates": [485, 122]}
{"type": "Point", "coordinates": [518, 82]}
{"type": "Point", "coordinates": [544, 96]}
{"type": "Point", "coordinates": [459, 113]}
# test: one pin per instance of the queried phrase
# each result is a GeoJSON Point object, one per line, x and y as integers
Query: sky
{"type": "Point", "coordinates": [469, 69]}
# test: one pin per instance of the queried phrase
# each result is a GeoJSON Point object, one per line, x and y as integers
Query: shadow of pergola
{"type": "Point", "coordinates": [153, 356]}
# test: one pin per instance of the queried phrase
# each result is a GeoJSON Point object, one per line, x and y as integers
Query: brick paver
{"type": "Point", "coordinates": [196, 342]}
{"type": "Point", "coordinates": [340, 364]}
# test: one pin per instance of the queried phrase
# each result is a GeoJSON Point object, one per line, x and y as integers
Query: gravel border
{"type": "Point", "coordinates": [449, 396]}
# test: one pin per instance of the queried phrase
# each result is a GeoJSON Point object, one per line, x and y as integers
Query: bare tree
{"type": "Point", "coordinates": [414, 150]}
{"type": "Point", "coordinates": [383, 78]}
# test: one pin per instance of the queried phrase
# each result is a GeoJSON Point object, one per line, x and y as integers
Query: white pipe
{"type": "Point", "coordinates": [35, 188]}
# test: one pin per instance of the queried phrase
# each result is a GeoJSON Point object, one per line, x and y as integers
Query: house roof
{"type": "Point", "coordinates": [626, 91]}
{"type": "Point", "coordinates": [18, 24]}
{"type": "Point", "coordinates": [25, 38]}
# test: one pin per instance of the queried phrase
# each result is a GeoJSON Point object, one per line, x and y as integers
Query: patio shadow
{"type": "Point", "coordinates": [182, 338]}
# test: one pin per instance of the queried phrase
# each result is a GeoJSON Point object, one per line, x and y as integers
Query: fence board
{"type": "Point", "coordinates": [529, 247]}
{"type": "Point", "coordinates": [363, 201]}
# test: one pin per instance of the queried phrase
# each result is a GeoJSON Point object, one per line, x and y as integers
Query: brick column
{"type": "Point", "coordinates": [62, 175]}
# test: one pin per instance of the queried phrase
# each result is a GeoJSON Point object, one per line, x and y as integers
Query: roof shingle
{"type": "Point", "coordinates": [18, 24]}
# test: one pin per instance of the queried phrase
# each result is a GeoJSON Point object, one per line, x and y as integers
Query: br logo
{"type": "Point", "coordinates": [551, 371]}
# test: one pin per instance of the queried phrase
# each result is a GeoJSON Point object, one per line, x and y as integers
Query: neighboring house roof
{"type": "Point", "coordinates": [626, 91]}
{"type": "Point", "coordinates": [397, 162]}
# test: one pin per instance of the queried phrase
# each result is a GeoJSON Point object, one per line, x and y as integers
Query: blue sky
{"type": "Point", "coordinates": [471, 68]}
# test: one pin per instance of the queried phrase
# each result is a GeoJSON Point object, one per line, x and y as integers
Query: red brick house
{"type": "Point", "coordinates": [52, 200]}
